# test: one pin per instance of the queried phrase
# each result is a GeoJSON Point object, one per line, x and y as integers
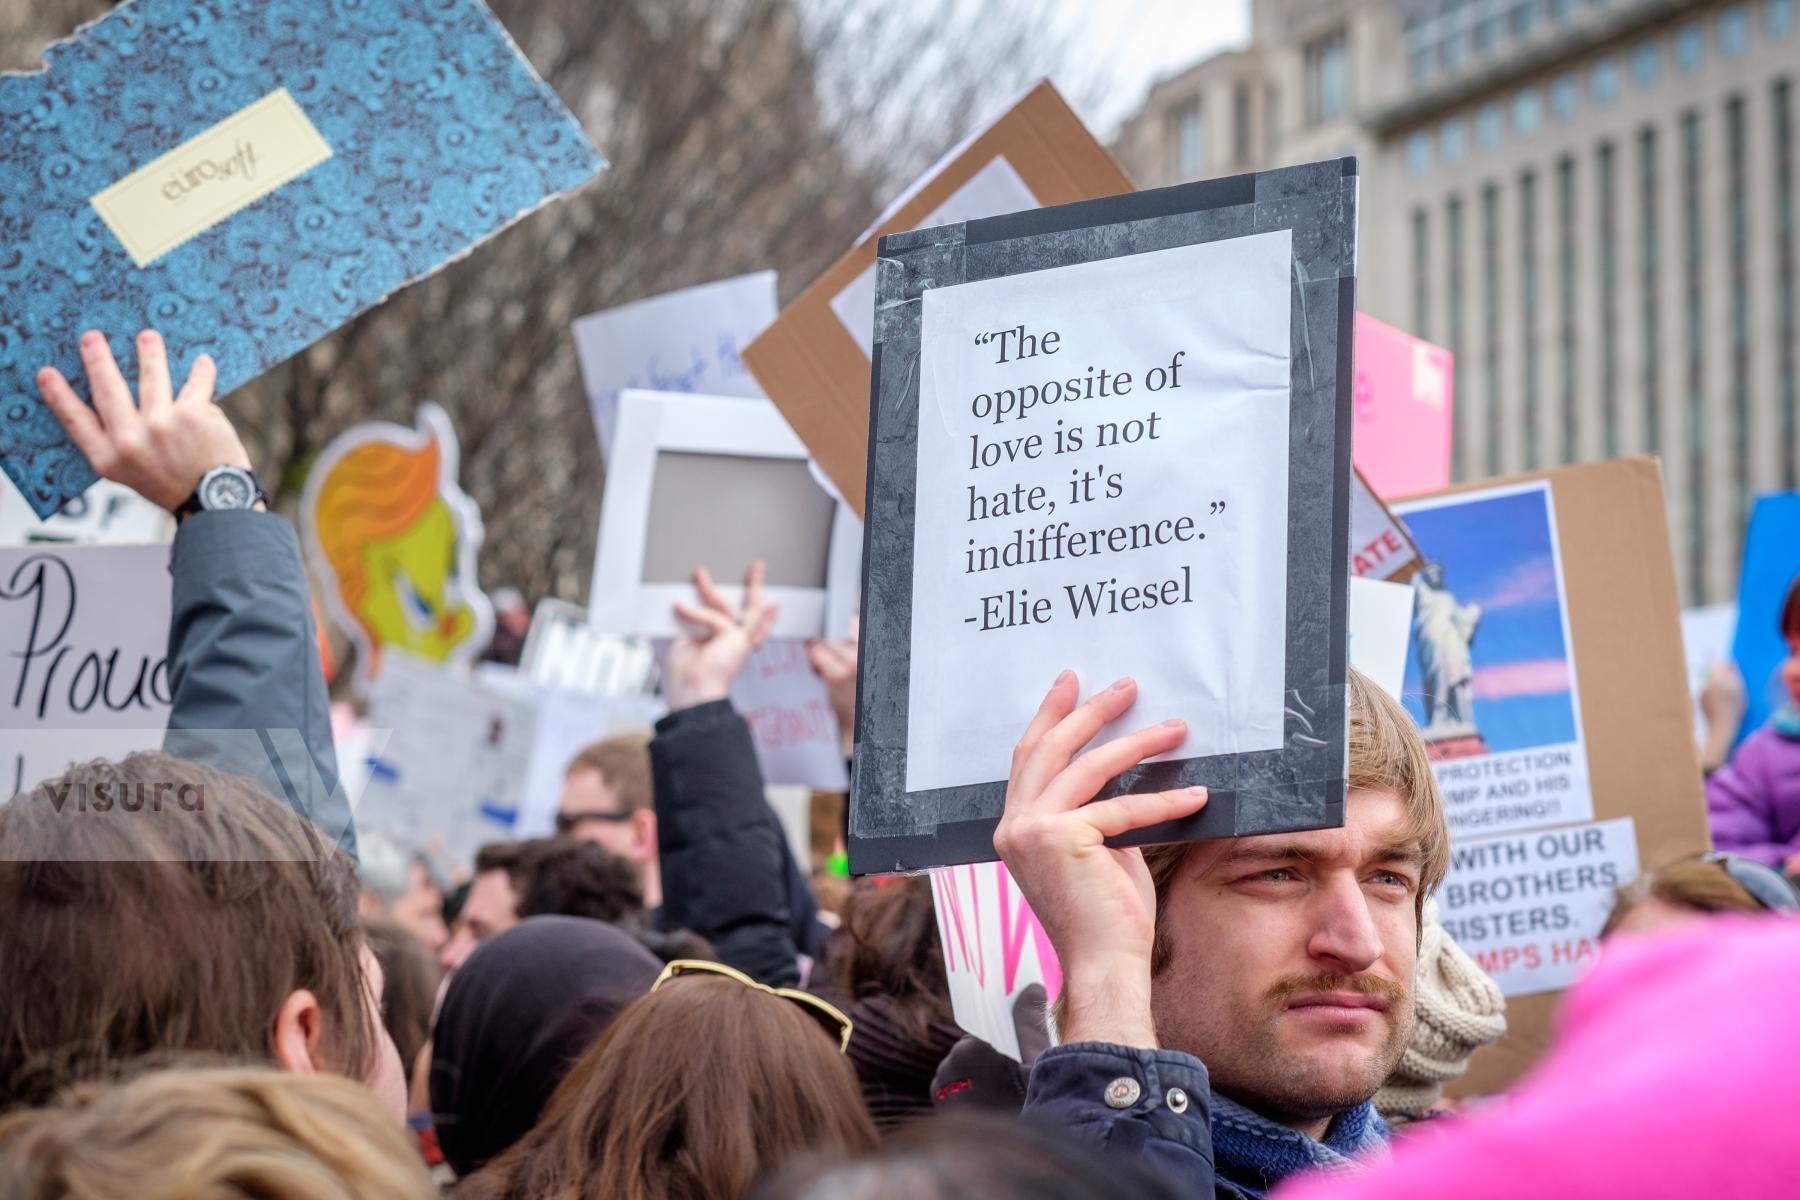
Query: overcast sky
{"type": "Point", "coordinates": [1139, 42]}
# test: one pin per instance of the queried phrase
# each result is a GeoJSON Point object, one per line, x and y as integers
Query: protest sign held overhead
{"type": "Point", "coordinates": [107, 514]}
{"type": "Point", "coordinates": [1403, 410]}
{"type": "Point", "coordinates": [1111, 436]}
{"type": "Point", "coordinates": [685, 341]}
{"type": "Point", "coordinates": [1380, 546]}
{"type": "Point", "coordinates": [1547, 678]}
{"type": "Point", "coordinates": [84, 632]}
{"type": "Point", "coordinates": [814, 360]}
{"type": "Point", "coordinates": [1771, 563]}
{"type": "Point", "coordinates": [995, 951]}
{"type": "Point", "coordinates": [394, 539]}
{"type": "Point", "coordinates": [719, 483]}
{"type": "Point", "coordinates": [248, 175]}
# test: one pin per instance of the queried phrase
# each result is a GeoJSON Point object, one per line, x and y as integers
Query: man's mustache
{"type": "Point", "coordinates": [1296, 986]}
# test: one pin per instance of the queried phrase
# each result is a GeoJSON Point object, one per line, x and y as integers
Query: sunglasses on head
{"type": "Point", "coordinates": [829, 1016]}
{"type": "Point", "coordinates": [1769, 887]}
{"type": "Point", "coordinates": [567, 821]}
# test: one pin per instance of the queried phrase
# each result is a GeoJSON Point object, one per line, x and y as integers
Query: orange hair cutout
{"type": "Point", "coordinates": [375, 491]}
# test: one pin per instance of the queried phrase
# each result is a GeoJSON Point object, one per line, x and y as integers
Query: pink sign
{"type": "Point", "coordinates": [1402, 410]}
{"type": "Point", "coordinates": [994, 948]}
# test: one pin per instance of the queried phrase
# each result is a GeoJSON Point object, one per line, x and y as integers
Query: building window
{"type": "Point", "coordinates": [1488, 29]}
{"type": "Point", "coordinates": [1190, 141]}
{"type": "Point", "coordinates": [1565, 96]}
{"type": "Point", "coordinates": [1527, 112]}
{"type": "Point", "coordinates": [1565, 297]}
{"type": "Point", "coordinates": [1690, 46]}
{"type": "Point", "coordinates": [1648, 282]}
{"type": "Point", "coordinates": [1606, 225]}
{"type": "Point", "coordinates": [1692, 265]}
{"type": "Point", "coordinates": [1561, 10]}
{"type": "Point", "coordinates": [1738, 233]}
{"type": "Point", "coordinates": [1327, 79]}
{"type": "Point", "coordinates": [1421, 255]}
{"type": "Point", "coordinates": [1240, 125]}
{"type": "Point", "coordinates": [1453, 140]}
{"type": "Point", "coordinates": [1418, 152]}
{"type": "Point", "coordinates": [1524, 16]}
{"type": "Point", "coordinates": [1778, 17]}
{"type": "Point", "coordinates": [1453, 314]}
{"type": "Point", "coordinates": [1646, 64]}
{"type": "Point", "coordinates": [1603, 81]}
{"type": "Point", "coordinates": [1490, 319]}
{"type": "Point", "coordinates": [1787, 302]}
{"type": "Point", "coordinates": [1528, 310]}
{"type": "Point", "coordinates": [1488, 126]}
{"type": "Point", "coordinates": [1734, 31]}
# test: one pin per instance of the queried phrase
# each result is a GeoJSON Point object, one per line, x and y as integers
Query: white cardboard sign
{"type": "Point", "coordinates": [107, 514]}
{"type": "Point", "coordinates": [747, 493]}
{"type": "Point", "coordinates": [791, 719]}
{"type": "Point", "coordinates": [1145, 506]}
{"type": "Point", "coordinates": [84, 634]}
{"type": "Point", "coordinates": [993, 190]}
{"type": "Point", "coordinates": [1529, 906]}
{"type": "Point", "coordinates": [994, 948]}
{"type": "Point", "coordinates": [684, 341]}
{"type": "Point", "coordinates": [1380, 628]}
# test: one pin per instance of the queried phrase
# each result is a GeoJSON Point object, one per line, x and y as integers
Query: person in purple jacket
{"type": "Point", "coordinates": [1753, 801]}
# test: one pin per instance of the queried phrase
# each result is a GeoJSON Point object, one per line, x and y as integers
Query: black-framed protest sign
{"type": "Point", "coordinates": [1112, 436]}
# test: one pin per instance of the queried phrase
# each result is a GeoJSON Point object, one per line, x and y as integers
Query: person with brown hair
{"type": "Point", "coordinates": [697, 1090]}
{"type": "Point", "coordinates": [1696, 887]}
{"type": "Point", "coordinates": [225, 1133]}
{"type": "Point", "coordinates": [606, 799]}
{"type": "Point", "coordinates": [1229, 1007]}
{"type": "Point", "coordinates": [161, 907]}
{"type": "Point", "coordinates": [540, 877]}
{"type": "Point", "coordinates": [410, 979]}
{"type": "Point", "coordinates": [888, 965]}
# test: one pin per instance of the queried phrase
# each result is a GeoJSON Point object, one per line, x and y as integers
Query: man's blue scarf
{"type": "Point", "coordinates": [1252, 1154]}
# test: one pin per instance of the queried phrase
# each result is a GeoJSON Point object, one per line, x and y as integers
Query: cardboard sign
{"type": "Point", "coordinates": [1491, 678]}
{"type": "Point", "coordinates": [1381, 616]}
{"type": "Point", "coordinates": [1610, 586]}
{"type": "Point", "coordinates": [994, 948]}
{"type": "Point", "coordinates": [814, 360]}
{"type": "Point", "coordinates": [798, 741]}
{"type": "Point", "coordinates": [107, 514]}
{"type": "Point", "coordinates": [1771, 564]}
{"type": "Point", "coordinates": [1074, 434]}
{"type": "Point", "coordinates": [246, 176]}
{"type": "Point", "coordinates": [714, 482]}
{"type": "Point", "coordinates": [685, 341]}
{"type": "Point", "coordinates": [1403, 410]}
{"type": "Point", "coordinates": [393, 540]}
{"type": "Point", "coordinates": [1380, 546]}
{"type": "Point", "coordinates": [562, 652]}
{"type": "Point", "coordinates": [84, 635]}
{"type": "Point", "coordinates": [452, 771]}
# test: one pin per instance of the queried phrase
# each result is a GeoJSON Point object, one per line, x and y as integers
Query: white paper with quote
{"type": "Point", "coordinates": [1103, 463]}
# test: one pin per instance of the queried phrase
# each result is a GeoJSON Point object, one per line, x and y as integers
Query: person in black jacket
{"type": "Point", "coordinates": [728, 873]}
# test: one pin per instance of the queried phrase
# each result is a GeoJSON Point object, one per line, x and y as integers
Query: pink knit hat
{"type": "Point", "coordinates": [1675, 1073]}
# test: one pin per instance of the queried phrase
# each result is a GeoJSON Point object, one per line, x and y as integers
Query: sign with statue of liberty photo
{"type": "Point", "coordinates": [1490, 677]}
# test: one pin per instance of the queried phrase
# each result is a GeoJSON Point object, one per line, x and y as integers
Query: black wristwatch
{"type": "Point", "coordinates": [223, 488]}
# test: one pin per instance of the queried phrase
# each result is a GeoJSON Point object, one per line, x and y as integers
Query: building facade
{"type": "Point", "coordinates": [1590, 202]}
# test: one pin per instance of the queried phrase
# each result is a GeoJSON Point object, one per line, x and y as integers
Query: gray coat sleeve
{"type": "Point", "coordinates": [249, 695]}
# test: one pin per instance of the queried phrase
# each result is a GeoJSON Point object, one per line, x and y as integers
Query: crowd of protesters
{"type": "Point", "coordinates": [242, 998]}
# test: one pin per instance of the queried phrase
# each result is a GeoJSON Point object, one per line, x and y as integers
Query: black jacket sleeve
{"type": "Point", "coordinates": [248, 693]}
{"type": "Point", "coordinates": [1149, 1105]}
{"type": "Point", "coordinates": [726, 869]}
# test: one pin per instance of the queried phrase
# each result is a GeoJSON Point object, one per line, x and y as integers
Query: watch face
{"type": "Point", "coordinates": [227, 489]}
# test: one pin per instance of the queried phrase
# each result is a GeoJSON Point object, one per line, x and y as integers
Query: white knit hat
{"type": "Point", "coordinates": [1459, 1010]}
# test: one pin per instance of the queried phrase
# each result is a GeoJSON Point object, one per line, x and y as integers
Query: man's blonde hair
{"type": "Point", "coordinates": [1386, 755]}
{"type": "Point", "coordinates": [213, 1131]}
{"type": "Point", "coordinates": [623, 762]}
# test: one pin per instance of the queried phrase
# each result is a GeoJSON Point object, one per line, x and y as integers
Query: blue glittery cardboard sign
{"type": "Point", "coordinates": [439, 134]}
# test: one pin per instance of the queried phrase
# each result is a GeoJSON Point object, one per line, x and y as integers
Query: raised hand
{"type": "Point", "coordinates": [159, 446]}
{"type": "Point", "coordinates": [1097, 903]}
{"type": "Point", "coordinates": [702, 665]}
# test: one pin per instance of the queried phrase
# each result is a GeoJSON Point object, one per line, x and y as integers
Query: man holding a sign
{"type": "Point", "coordinates": [1239, 1001]}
